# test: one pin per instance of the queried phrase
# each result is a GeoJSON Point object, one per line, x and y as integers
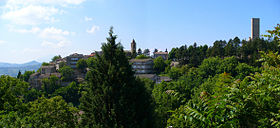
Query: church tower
{"type": "Point", "coordinates": [133, 48]}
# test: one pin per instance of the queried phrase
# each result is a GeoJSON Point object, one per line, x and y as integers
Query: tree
{"type": "Point", "coordinates": [139, 51]}
{"type": "Point", "coordinates": [250, 101]}
{"type": "Point", "coordinates": [156, 50]}
{"type": "Point", "coordinates": [274, 34]}
{"type": "Point", "coordinates": [45, 64]}
{"type": "Point", "coordinates": [12, 91]}
{"type": "Point", "coordinates": [53, 112]}
{"type": "Point", "coordinates": [26, 75]}
{"type": "Point", "coordinates": [174, 73]}
{"type": "Point", "coordinates": [159, 64]}
{"type": "Point", "coordinates": [19, 74]}
{"type": "Point", "coordinates": [172, 54]}
{"type": "Point", "coordinates": [147, 52]}
{"type": "Point", "coordinates": [82, 65]}
{"type": "Point", "coordinates": [70, 93]}
{"type": "Point", "coordinates": [67, 73]}
{"type": "Point", "coordinates": [113, 97]}
{"type": "Point", "coordinates": [49, 85]}
{"type": "Point", "coordinates": [55, 58]}
{"type": "Point", "coordinates": [209, 67]}
{"type": "Point", "coordinates": [142, 57]}
{"type": "Point", "coordinates": [62, 64]}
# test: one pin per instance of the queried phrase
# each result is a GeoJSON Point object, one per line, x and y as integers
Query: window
{"type": "Point", "coordinates": [74, 58]}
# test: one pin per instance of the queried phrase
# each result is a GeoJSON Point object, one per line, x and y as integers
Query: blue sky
{"type": "Point", "coordinates": [40, 29]}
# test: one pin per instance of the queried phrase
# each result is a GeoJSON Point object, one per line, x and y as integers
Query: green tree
{"type": "Point", "coordinates": [139, 52]}
{"type": "Point", "coordinates": [172, 54]}
{"type": "Point", "coordinates": [209, 67]}
{"type": "Point", "coordinates": [174, 73]}
{"type": "Point", "coordinates": [146, 52]}
{"type": "Point", "coordinates": [82, 65]}
{"type": "Point", "coordinates": [55, 58]}
{"type": "Point", "coordinates": [113, 97]}
{"type": "Point", "coordinates": [45, 64]}
{"type": "Point", "coordinates": [12, 93]}
{"type": "Point", "coordinates": [159, 64]}
{"type": "Point", "coordinates": [67, 73]}
{"type": "Point", "coordinates": [156, 50]}
{"type": "Point", "coordinates": [49, 85]}
{"type": "Point", "coordinates": [32, 94]}
{"type": "Point", "coordinates": [228, 65]}
{"type": "Point", "coordinates": [26, 75]}
{"type": "Point", "coordinates": [53, 112]}
{"type": "Point", "coordinates": [142, 57]}
{"type": "Point", "coordinates": [243, 70]}
{"type": "Point", "coordinates": [70, 93]}
{"type": "Point", "coordinates": [19, 75]}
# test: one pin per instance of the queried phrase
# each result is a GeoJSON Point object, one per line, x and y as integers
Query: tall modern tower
{"type": "Point", "coordinates": [255, 28]}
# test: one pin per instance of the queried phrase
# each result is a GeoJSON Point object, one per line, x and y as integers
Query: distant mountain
{"type": "Point", "coordinates": [12, 69]}
{"type": "Point", "coordinates": [18, 65]}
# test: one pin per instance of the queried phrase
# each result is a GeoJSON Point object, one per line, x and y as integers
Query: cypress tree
{"type": "Point", "coordinates": [113, 96]}
{"type": "Point", "coordinates": [19, 74]}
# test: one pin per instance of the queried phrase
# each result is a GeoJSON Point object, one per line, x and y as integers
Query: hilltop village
{"type": "Point", "coordinates": [232, 83]}
{"type": "Point", "coordinates": [142, 64]}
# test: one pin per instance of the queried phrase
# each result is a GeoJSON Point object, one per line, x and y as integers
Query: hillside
{"type": "Point", "coordinates": [12, 69]}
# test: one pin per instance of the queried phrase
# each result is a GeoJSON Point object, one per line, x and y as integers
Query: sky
{"type": "Point", "coordinates": [40, 29]}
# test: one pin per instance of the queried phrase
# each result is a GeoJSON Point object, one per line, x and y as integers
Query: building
{"type": "Point", "coordinates": [152, 77]}
{"type": "Point", "coordinates": [133, 48]}
{"type": "Point", "coordinates": [164, 55]}
{"type": "Point", "coordinates": [59, 63]}
{"type": "Point", "coordinates": [72, 59]}
{"type": "Point", "coordinates": [35, 79]}
{"type": "Point", "coordinates": [48, 69]}
{"type": "Point", "coordinates": [142, 66]}
{"type": "Point", "coordinates": [157, 79]}
{"type": "Point", "coordinates": [255, 28]}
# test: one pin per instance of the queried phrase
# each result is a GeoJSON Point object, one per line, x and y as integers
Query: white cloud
{"type": "Point", "coordinates": [31, 15]}
{"type": "Point", "coordinates": [34, 12]}
{"type": "Point", "coordinates": [46, 33]}
{"type": "Point", "coordinates": [88, 19]}
{"type": "Point", "coordinates": [33, 30]}
{"type": "Point", "coordinates": [93, 29]}
{"type": "Point", "coordinates": [53, 30]}
{"type": "Point", "coordinates": [54, 33]}
{"type": "Point", "coordinates": [60, 44]}
{"type": "Point", "coordinates": [12, 4]}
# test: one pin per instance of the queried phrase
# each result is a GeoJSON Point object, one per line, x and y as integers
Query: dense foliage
{"type": "Point", "coordinates": [229, 84]}
{"type": "Point", "coordinates": [113, 96]}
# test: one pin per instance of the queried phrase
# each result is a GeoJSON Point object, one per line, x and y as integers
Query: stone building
{"type": "Point", "coordinates": [72, 59]}
{"type": "Point", "coordinates": [255, 28]}
{"type": "Point", "coordinates": [133, 47]}
{"type": "Point", "coordinates": [164, 55]}
{"type": "Point", "coordinates": [35, 79]}
{"type": "Point", "coordinates": [59, 63]}
{"type": "Point", "coordinates": [142, 66]}
{"type": "Point", "coordinates": [48, 69]}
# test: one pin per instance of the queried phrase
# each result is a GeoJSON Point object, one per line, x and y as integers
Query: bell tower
{"type": "Point", "coordinates": [133, 47]}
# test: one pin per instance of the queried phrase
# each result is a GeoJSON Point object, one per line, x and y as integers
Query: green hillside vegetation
{"type": "Point", "coordinates": [230, 84]}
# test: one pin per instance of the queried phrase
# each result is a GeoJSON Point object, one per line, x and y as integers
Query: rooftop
{"type": "Point", "coordinates": [161, 53]}
{"type": "Point", "coordinates": [75, 55]}
{"type": "Point", "coordinates": [150, 76]}
{"type": "Point", "coordinates": [141, 60]}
